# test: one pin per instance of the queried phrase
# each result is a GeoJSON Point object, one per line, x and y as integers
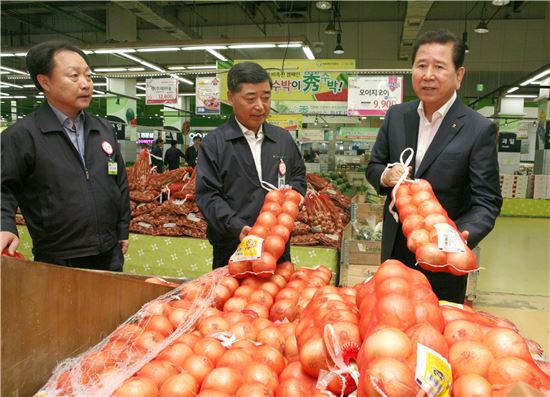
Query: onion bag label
{"type": "Point", "coordinates": [249, 249]}
{"type": "Point", "coordinates": [433, 372]}
{"type": "Point", "coordinates": [451, 304]}
{"type": "Point", "coordinates": [448, 239]}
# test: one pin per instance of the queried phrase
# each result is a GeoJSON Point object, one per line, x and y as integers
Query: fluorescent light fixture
{"type": "Point", "coordinates": [3, 93]}
{"type": "Point", "coordinates": [110, 70]}
{"type": "Point", "coordinates": [29, 85]}
{"type": "Point", "coordinates": [7, 54]}
{"type": "Point", "coordinates": [141, 94]}
{"type": "Point", "coordinates": [183, 79]}
{"type": "Point", "coordinates": [308, 52]}
{"type": "Point", "coordinates": [140, 87]}
{"type": "Point", "coordinates": [521, 96]}
{"type": "Point", "coordinates": [187, 94]}
{"type": "Point", "coordinates": [88, 52]}
{"type": "Point", "coordinates": [20, 54]}
{"type": "Point", "coordinates": [323, 5]}
{"type": "Point", "coordinates": [114, 50]}
{"type": "Point", "coordinates": [14, 97]}
{"type": "Point", "coordinates": [204, 48]}
{"type": "Point", "coordinates": [512, 89]}
{"type": "Point", "coordinates": [39, 96]}
{"type": "Point", "coordinates": [4, 84]}
{"type": "Point", "coordinates": [482, 28]}
{"type": "Point", "coordinates": [251, 46]}
{"type": "Point", "coordinates": [141, 83]}
{"type": "Point", "coordinates": [99, 92]}
{"type": "Point", "coordinates": [2, 72]}
{"type": "Point", "coordinates": [176, 67]}
{"type": "Point", "coordinates": [136, 69]}
{"type": "Point", "coordinates": [202, 67]}
{"type": "Point", "coordinates": [535, 78]}
{"type": "Point", "coordinates": [158, 49]}
{"type": "Point", "coordinates": [289, 45]}
{"type": "Point", "coordinates": [217, 54]}
{"type": "Point", "coordinates": [144, 63]}
{"type": "Point", "coordinates": [499, 3]}
{"type": "Point", "coordinates": [99, 84]}
{"type": "Point", "coordinates": [13, 70]}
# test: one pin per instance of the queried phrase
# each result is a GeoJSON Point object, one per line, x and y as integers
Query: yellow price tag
{"type": "Point", "coordinates": [451, 304]}
{"type": "Point", "coordinates": [249, 249]}
{"type": "Point", "coordinates": [433, 372]}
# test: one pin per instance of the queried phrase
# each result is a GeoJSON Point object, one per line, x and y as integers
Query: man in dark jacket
{"type": "Point", "coordinates": [172, 156]}
{"type": "Point", "coordinates": [62, 166]}
{"type": "Point", "coordinates": [156, 155]}
{"type": "Point", "coordinates": [193, 151]}
{"type": "Point", "coordinates": [238, 156]}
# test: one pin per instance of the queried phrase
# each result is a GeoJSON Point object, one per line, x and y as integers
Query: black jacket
{"type": "Point", "coordinates": [172, 157]}
{"type": "Point", "coordinates": [157, 151]}
{"type": "Point", "coordinates": [191, 155]}
{"type": "Point", "coordinates": [228, 189]}
{"type": "Point", "coordinates": [71, 209]}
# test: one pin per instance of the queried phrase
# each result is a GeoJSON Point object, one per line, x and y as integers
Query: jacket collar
{"type": "Point", "coordinates": [234, 131]}
{"type": "Point", "coordinates": [48, 121]}
{"type": "Point", "coordinates": [450, 126]}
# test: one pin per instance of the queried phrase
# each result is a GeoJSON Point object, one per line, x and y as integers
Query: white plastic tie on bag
{"type": "Point", "coordinates": [403, 177]}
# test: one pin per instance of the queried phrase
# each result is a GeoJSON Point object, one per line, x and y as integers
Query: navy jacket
{"type": "Point", "coordinates": [71, 209]}
{"type": "Point", "coordinates": [461, 164]}
{"type": "Point", "coordinates": [228, 189]}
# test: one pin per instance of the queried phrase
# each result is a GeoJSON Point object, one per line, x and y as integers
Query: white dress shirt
{"type": "Point", "coordinates": [255, 142]}
{"type": "Point", "coordinates": [428, 129]}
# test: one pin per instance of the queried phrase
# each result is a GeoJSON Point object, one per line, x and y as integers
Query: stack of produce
{"type": "Point", "coordinates": [294, 335]}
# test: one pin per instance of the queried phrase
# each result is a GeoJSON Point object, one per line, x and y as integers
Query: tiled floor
{"type": "Point", "coordinates": [514, 281]}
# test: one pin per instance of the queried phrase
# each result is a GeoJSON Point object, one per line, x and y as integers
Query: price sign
{"type": "Point", "coordinates": [159, 91]}
{"type": "Point", "coordinates": [373, 95]}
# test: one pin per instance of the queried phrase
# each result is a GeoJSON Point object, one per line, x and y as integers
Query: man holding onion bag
{"type": "Point", "coordinates": [237, 159]}
{"type": "Point", "coordinates": [454, 149]}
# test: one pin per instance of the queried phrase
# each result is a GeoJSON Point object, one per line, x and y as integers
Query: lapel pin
{"type": "Point", "coordinates": [454, 125]}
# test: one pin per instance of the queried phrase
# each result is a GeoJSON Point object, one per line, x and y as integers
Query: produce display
{"type": "Point", "coordinates": [292, 334]}
{"type": "Point", "coordinates": [431, 235]}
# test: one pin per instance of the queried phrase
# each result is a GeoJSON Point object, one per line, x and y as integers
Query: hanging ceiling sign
{"type": "Point", "coordinates": [207, 95]}
{"type": "Point", "coordinates": [373, 95]}
{"type": "Point", "coordinates": [161, 91]}
{"type": "Point", "coordinates": [290, 122]}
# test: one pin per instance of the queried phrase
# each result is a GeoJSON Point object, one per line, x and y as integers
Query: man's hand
{"type": "Point", "coordinates": [9, 241]}
{"type": "Point", "coordinates": [123, 246]}
{"type": "Point", "coordinates": [244, 232]}
{"type": "Point", "coordinates": [465, 235]}
{"type": "Point", "coordinates": [391, 176]}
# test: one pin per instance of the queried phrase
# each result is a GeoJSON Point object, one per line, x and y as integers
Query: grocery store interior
{"type": "Point", "coordinates": [313, 50]}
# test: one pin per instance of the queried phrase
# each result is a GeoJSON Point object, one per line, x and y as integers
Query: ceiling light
{"type": "Point", "coordinates": [7, 54]}
{"type": "Point", "coordinates": [289, 45]}
{"type": "Point", "coordinates": [308, 52]}
{"type": "Point", "coordinates": [339, 50]}
{"type": "Point", "coordinates": [521, 96]}
{"type": "Point", "coordinates": [4, 84]}
{"type": "Point", "coordinates": [176, 67]}
{"type": "Point", "coordinates": [183, 79]}
{"type": "Point", "coordinates": [29, 85]}
{"type": "Point", "coordinates": [535, 78]}
{"type": "Point", "coordinates": [99, 84]}
{"type": "Point", "coordinates": [512, 89]}
{"type": "Point", "coordinates": [140, 87]}
{"type": "Point", "coordinates": [14, 70]}
{"type": "Point", "coordinates": [464, 41]}
{"type": "Point", "coordinates": [110, 70]}
{"type": "Point", "coordinates": [20, 54]}
{"type": "Point", "coordinates": [87, 52]}
{"type": "Point", "coordinates": [482, 28]}
{"type": "Point", "coordinates": [202, 67]}
{"type": "Point", "coordinates": [251, 46]}
{"type": "Point", "coordinates": [216, 54]}
{"type": "Point", "coordinates": [113, 50]}
{"type": "Point", "coordinates": [136, 69]}
{"type": "Point", "coordinates": [499, 3]}
{"type": "Point", "coordinates": [187, 94]}
{"type": "Point", "coordinates": [99, 92]}
{"type": "Point", "coordinates": [323, 5]}
{"type": "Point", "coordinates": [141, 94]}
{"type": "Point", "coordinates": [14, 97]}
{"type": "Point", "coordinates": [158, 49]}
{"type": "Point", "coordinates": [208, 47]}
{"type": "Point", "coordinates": [331, 29]}
{"type": "Point", "coordinates": [144, 63]}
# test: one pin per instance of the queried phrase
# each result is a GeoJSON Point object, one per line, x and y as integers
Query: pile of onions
{"type": "Point", "coordinates": [274, 225]}
{"type": "Point", "coordinates": [397, 311]}
{"type": "Point", "coordinates": [419, 210]}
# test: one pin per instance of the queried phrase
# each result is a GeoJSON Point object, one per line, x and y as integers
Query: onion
{"type": "Point", "coordinates": [224, 379]}
{"type": "Point", "coordinates": [235, 358]}
{"type": "Point", "coordinates": [313, 356]}
{"type": "Point", "coordinates": [270, 356]}
{"type": "Point", "coordinates": [417, 238]}
{"type": "Point", "coordinates": [427, 312]}
{"type": "Point", "coordinates": [434, 219]}
{"type": "Point", "coordinates": [254, 390]}
{"type": "Point", "coordinates": [392, 376]}
{"type": "Point", "coordinates": [391, 268]}
{"type": "Point", "coordinates": [428, 336]}
{"type": "Point", "coordinates": [396, 285]}
{"type": "Point", "coordinates": [181, 385]}
{"type": "Point", "coordinates": [260, 373]}
{"type": "Point", "coordinates": [406, 211]}
{"type": "Point", "coordinates": [271, 336]}
{"type": "Point", "coordinates": [137, 387]}
{"type": "Point", "coordinates": [396, 311]}
{"type": "Point", "coordinates": [283, 308]}
{"type": "Point", "coordinates": [234, 304]}
{"type": "Point", "coordinates": [431, 207]}
{"type": "Point", "coordinates": [385, 342]}
{"type": "Point", "coordinates": [471, 385]}
{"type": "Point", "coordinates": [468, 357]}
{"type": "Point", "coordinates": [507, 370]}
{"type": "Point", "coordinates": [411, 223]}
{"type": "Point", "coordinates": [505, 342]}
{"type": "Point", "coordinates": [460, 330]}
{"type": "Point", "coordinates": [158, 371]}
{"type": "Point", "coordinates": [430, 253]}
{"type": "Point", "coordinates": [209, 347]}
{"type": "Point", "coordinates": [421, 196]}
{"type": "Point", "coordinates": [465, 261]}
{"type": "Point", "coordinates": [420, 184]}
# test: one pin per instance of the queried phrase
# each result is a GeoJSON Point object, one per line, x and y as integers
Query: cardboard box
{"type": "Point", "coordinates": [50, 313]}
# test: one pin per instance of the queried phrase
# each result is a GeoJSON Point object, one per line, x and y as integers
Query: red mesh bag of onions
{"type": "Point", "coordinates": [259, 251]}
{"type": "Point", "coordinates": [403, 352]}
{"type": "Point", "coordinates": [431, 235]}
{"type": "Point", "coordinates": [488, 354]}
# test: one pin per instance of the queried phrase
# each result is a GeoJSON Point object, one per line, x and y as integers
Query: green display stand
{"type": "Point", "coordinates": [526, 208]}
{"type": "Point", "coordinates": [188, 257]}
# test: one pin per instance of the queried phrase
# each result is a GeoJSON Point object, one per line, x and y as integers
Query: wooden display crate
{"type": "Point", "coordinates": [359, 259]}
{"type": "Point", "coordinates": [50, 313]}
